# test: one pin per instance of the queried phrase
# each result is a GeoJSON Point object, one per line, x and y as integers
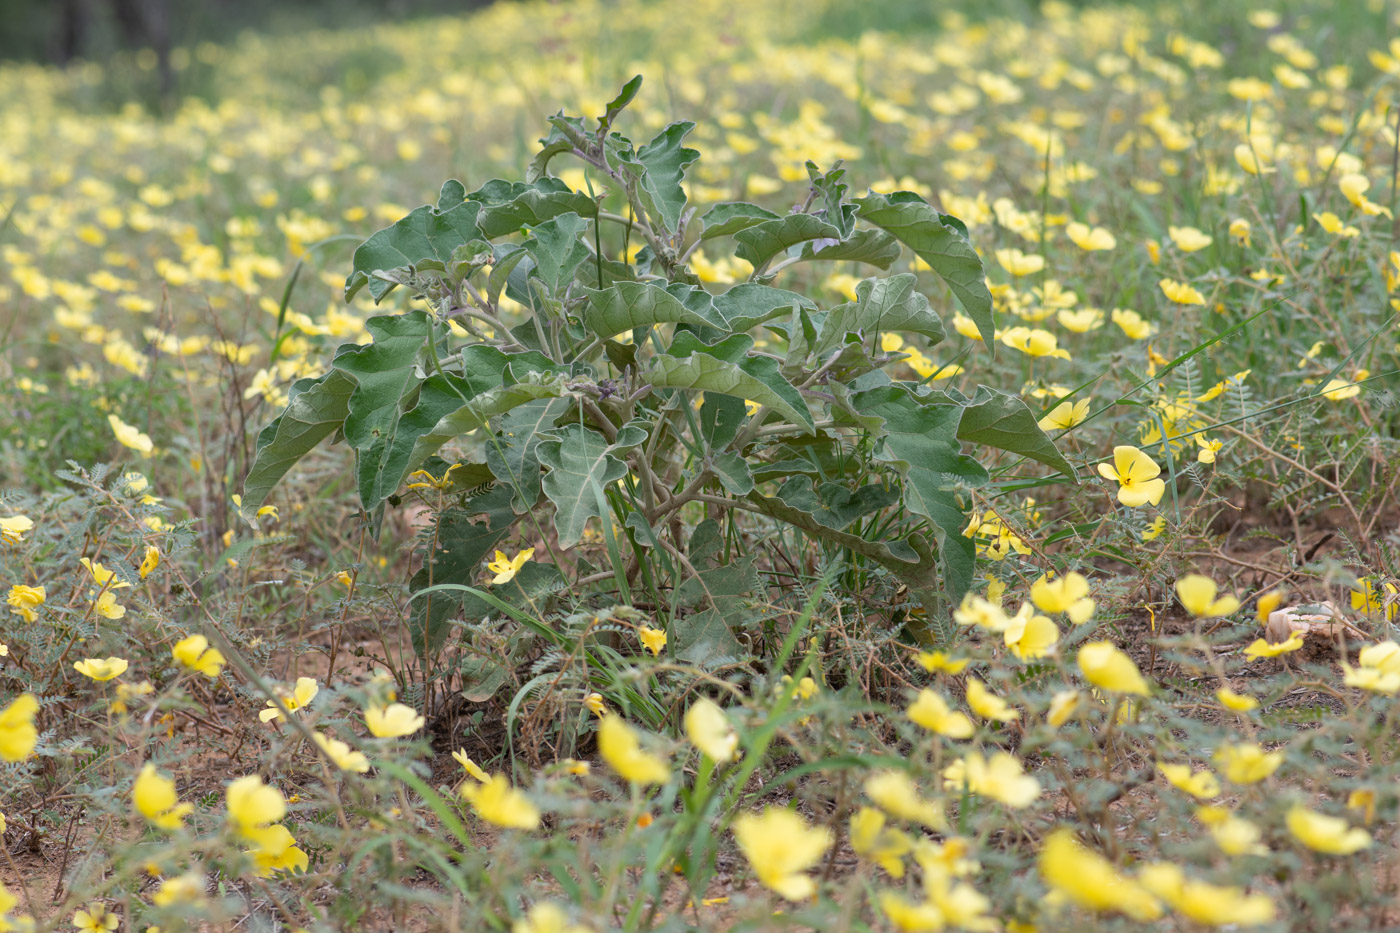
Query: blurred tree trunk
{"type": "Point", "coordinates": [72, 34]}
{"type": "Point", "coordinates": [147, 23]}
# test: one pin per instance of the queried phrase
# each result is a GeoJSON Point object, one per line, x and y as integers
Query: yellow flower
{"type": "Point", "coordinates": [1266, 604]}
{"type": "Point", "coordinates": [393, 721]}
{"type": "Point", "coordinates": [12, 529]}
{"type": "Point", "coordinates": [128, 436]}
{"type": "Point", "coordinates": [974, 610]}
{"type": "Point", "coordinates": [17, 733]}
{"type": "Point", "coordinates": [1019, 263]}
{"type": "Point", "coordinates": [897, 794]}
{"type": "Point", "coordinates": [26, 599]}
{"type": "Point", "coordinates": [1181, 292]}
{"type": "Point", "coordinates": [709, 730]}
{"type": "Point", "coordinates": [194, 653]}
{"type": "Point", "coordinates": [505, 568]}
{"type": "Point", "coordinates": [1251, 161]}
{"type": "Point", "coordinates": [102, 576]}
{"type": "Point", "coordinates": [872, 840]}
{"type": "Point", "coordinates": [462, 758]}
{"type": "Point", "coordinates": [932, 712]}
{"type": "Point", "coordinates": [1202, 784]}
{"type": "Point", "coordinates": [304, 692]}
{"type": "Point", "coordinates": [1081, 321]}
{"type": "Point", "coordinates": [932, 661]}
{"type": "Point", "coordinates": [1089, 880]}
{"type": "Point", "coordinates": [182, 889]}
{"type": "Point", "coordinates": [1368, 599]}
{"type": "Point", "coordinates": [96, 919]}
{"type": "Point", "coordinates": [1354, 187]}
{"type": "Point", "coordinates": [1197, 595]}
{"type": "Point", "coordinates": [254, 810]}
{"type": "Point", "coordinates": [781, 847]}
{"type": "Point", "coordinates": [966, 326]}
{"type": "Point", "coordinates": [99, 669]}
{"type": "Point", "coordinates": [1259, 648]}
{"type": "Point", "coordinates": [1330, 835]}
{"type": "Point", "coordinates": [154, 797]}
{"type": "Point", "coordinates": [1069, 594]}
{"type": "Point", "coordinates": [1062, 706]}
{"type": "Point", "coordinates": [1333, 224]}
{"type": "Point", "coordinates": [150, 562]}
{"type": "Point", "coordinates": [1001, 779]}
{"type": "Point", "coordinates": [622, 750]}
{"type": "Point", "coordinates": [1236, 702]}
{"type": "Point", "coordinates": [1108, 668]}
{"type": "Point", "coordinates": [342, 755]}
{"type": "Point", "coordinates": [594, 701]}
{"type": "Point", "coordinates": [107, 606]}
{"type": "Point", "coordinates": [1136, 474]}
{"type": "Point", "coordinates": [654, 639]}
{"type": "Point", "coordinates": [1033, 342]}
{"type": "Point", "coordinates": [987, 704]}
{"type": "Point", "coordinates": [546, 918]}
{"type": "Point", "coordinates": [1065, 416]}
{"type": "Point", "coordinates": [496, 801]}
{"type": "Point", "coordinates": [1240, 231]}
{"type": "Point", "coordinates": [1206, 904]}
{"type": "Point", "coordinates": [1090, 239]}
{"type": "Point", "coordinates": [1188, 239]}
{"type": "Point", "coordinates": [1363, 801]}
{"type": "Point", "coordinates": [1234, 836]}
{"type": "Point", "coordinates": [1133, 324]}
{"type": "Point", "coordinates": [1247, 763]}
{"type": "Point", "coordinates": [1030, 636]}
{"type": "Point", "coordinates": [1379, 671]}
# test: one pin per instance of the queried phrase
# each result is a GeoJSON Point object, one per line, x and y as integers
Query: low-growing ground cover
{"type": "Point", "coordinates": [902, 480]}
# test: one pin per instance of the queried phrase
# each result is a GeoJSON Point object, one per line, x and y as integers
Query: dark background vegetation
{"type": "Point", "coordinates": [59, 31]}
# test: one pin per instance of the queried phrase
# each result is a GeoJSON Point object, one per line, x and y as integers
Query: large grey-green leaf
{"type": "Point", "coordinates": [428, 233]}
{"type": "Point", "coordinates": [732, 216]}
{"type": "Point", "coordinates": [918, 433]}
{"type": "Point", "coordinates": [557, 250]}
{"type": "Point", "coordinates": [480, 410]}
{"type": "Point", "coordinates": [627, 305]}
{"type": "Point", "coordinates": [881, 305]}
{"type": "Point", "coordinates": [315, 409]}
{"type": "Point", "coordinates": [1004, 422]}
{"type": "Point", "coordinates": [710, 374]}
{"type": "Point", "coordinates": [508, 206]}
{"type": "Point", "coordinates": [833, 505]}
{"type": "Point", "coordinates": [941, 241]}
{"type": "Point", "coordinates": [925, 494]}
{"type": "Point", "coordinates": [665, 159]}
{"type": "Point", "coordinates": [747, 305]}
{"type": "Point", "coordinates": [512, 454]}
{"type": "Point", "coordinates": [761, 242]}
{"type": "Point", "coordinates": [581, 467]}
{"type": "Point", "coordinates": [385, 375]}
{"type": "Point", "coordinates": [873, 247]}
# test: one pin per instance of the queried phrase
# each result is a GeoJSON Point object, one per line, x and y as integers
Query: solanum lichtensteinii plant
{"type": "Point", "coordinates": [623, 391]}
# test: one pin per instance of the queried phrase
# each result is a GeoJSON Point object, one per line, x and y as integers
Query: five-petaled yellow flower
{"type": "Point", "coordinates": [622, 750]}
{"type": "Point", "coordinates": [393, 721]}
{"type": "Point", "coordinates": [194, 653]}
{"type": "Point", "coordinates": [154, 796]}
{"type": "Point", "coordinates": [1197, 594]}
{"type": "Point", "coordinates": [101, 669]}
{"type": "Point", "coordinates": [1108, 668]}
{"type": "Point", "coordinates": [505, 568]}
{"type": "Point", "coordinates": [781, 847]}
{"type": "Point", "coordinates": [1137, 476]}
{"type": "Point", "coordinates": [303, 693]}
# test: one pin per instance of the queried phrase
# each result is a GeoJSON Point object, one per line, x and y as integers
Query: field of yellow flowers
{"type": "Point", "coordinates": [696, 611]}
